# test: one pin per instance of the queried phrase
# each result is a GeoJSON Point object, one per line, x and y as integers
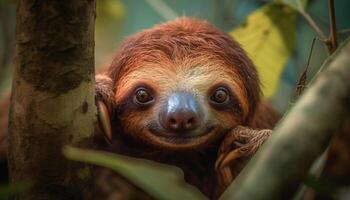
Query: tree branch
{"type": "Point", "coordinates": [282, 163]}
{"type": "Point", "coordinates": [314, 26]}
{"type": "Point", "coordinates": [333, 44]}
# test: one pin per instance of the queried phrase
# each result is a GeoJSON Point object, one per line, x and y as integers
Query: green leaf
{"type": "Point", "coordinates": [298, 5]}
{"type": "Point", "coordinates": [268, 36]}
{"type": "Point", "coordinates": [159, 180]}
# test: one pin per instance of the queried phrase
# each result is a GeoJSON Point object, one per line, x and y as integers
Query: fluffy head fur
{"type": "Point", "coordinates": [182, 55]}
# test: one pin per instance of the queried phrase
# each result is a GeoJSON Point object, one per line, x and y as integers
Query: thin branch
{"type": "Point", "coordinates": [314, 25]}
{"type": "Point", "coordinates": [332, 27]}
{"type": "Point", "coordinates": [344, 31]}
{"type": "Point", "coordinates": [302, 80]}
{"type": "Point", "coordinates": [330, 41]}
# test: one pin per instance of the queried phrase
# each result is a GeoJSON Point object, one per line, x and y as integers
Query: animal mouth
{"type": "Point", "coordinates": [181, 134]}
{"type": "Point", "coordinates": [189, 138]}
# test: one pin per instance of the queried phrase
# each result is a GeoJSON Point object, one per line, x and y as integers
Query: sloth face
{"type": "Point", "coordinates": [180, 105]}
{"type": "Point", "coordinates": [182, 85]}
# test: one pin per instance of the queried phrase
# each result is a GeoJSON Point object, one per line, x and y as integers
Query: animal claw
{"type": "Point", "coordinates": [104, 121]}
{"type": "Point", "coordinates": [230, 158]}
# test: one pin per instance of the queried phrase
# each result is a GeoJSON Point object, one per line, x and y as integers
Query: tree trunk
{"type": "Point", "coordinates": [52, 102]}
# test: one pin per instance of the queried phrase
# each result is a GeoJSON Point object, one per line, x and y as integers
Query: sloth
{"type": "Point", "coordinates": [185, 94]}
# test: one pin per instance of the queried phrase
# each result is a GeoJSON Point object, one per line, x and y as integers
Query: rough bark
{"type": "Point", "coordinates": [283, 162]}
{"type": "Point", "coordinates": [52, 101]}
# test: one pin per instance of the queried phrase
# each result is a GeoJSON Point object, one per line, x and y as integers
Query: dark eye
{"type": "Point", "coordinates": [220, 95]}
{"type": "Point", "coordinates": [142, 96]}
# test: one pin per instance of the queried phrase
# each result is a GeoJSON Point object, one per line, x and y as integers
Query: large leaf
{"type": "Point", "coordinates": [159, 180]}
{"type": "Point", "coordinates": [268, 36]}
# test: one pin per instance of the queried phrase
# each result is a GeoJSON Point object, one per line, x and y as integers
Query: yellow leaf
{"type": "Point", "coordinates": [268, 36]}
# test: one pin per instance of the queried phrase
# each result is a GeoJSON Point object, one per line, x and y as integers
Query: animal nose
{"type": "Point", "coordinates": [181, 120]}
{"type": "Point", "coordinates": [181, 113]}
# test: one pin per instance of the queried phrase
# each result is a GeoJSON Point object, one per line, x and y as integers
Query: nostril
{"type": "Point", "coordinates": [191, 123]}
{"type": "Point", "coordinates": [172, 121]}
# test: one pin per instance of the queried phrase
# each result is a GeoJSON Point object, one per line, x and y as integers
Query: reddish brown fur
{"type": "Point", "coordinates": [186, 55]}
{"type": "Point", "coordinates": [182, 39]}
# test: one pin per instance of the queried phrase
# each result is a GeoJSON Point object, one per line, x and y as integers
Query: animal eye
{"type": "Point", "coordinates": [142, 96]}
{"type": "Point", "coordinates": [220, 95]}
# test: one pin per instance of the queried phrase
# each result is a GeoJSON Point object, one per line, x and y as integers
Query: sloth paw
{"type": "Point", "coordinates": [235, 151]}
